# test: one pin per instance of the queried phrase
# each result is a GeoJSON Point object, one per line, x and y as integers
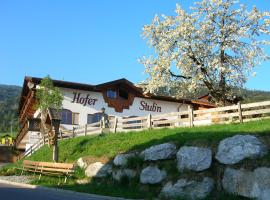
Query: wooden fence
{"type": "Point", "coordinates": [34, 147]}
{"type": "Point", "coordinates": [222, 115]}
{"type": "Point", "coordinates": [230, 114]}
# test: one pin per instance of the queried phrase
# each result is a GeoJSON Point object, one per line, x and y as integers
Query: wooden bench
{"type": "Point", "coordinates": [49, 168]}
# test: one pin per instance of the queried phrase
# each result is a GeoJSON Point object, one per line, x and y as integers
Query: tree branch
{"type": "Point", "coordinates": [179, 76]}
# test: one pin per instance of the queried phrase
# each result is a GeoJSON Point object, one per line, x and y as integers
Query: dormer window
{"type": "Point", "coordinates": [111, 94]}
{"type": "Point", "coordinates": [123, 94]}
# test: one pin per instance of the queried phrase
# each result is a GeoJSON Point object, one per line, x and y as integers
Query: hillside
{"type": "Point", "coordinates": [9, 98]}
{"type": "Point", "coordinates": [108, 146]}
{"type": "Point", "coordinates": [105, 148]}
{"type": "Point", "coordinates": [248, 95]}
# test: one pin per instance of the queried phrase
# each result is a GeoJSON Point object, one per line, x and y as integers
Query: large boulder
{"type": "Point", "coordinates": [121, 173]}
{"type": "Point", "coordinates": [194, 158]}
{"type": "Point", "coordinates": [82, 163]}
{"type": "Point", "coordinates": [159, 152]}
{"type": "Point", "coordinates": [122, 159]}
{"type": "Point", "coordinates": [234, 149]}
{"type": "Point", "coordinates": [188, 189]}
{"type": "Point", "coordinates": [98, 170]}
{"type": "Point", "coordinates": [152, 175]}
{"type": "Point", "coordinates": [249, 184]}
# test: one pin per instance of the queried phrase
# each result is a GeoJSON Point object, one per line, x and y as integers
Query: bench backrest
{"type": "Point", "coordinates": [30, 164]}
{"type": "Point", "coordinates": [60, 167]}
{"type": "Point", "coordinates": [49, 166]}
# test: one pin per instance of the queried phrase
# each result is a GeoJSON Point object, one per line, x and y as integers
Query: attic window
{"type": "Point", "coordinates": [123, 94]}
{"type": "Point", "coordinates": [111, 94]}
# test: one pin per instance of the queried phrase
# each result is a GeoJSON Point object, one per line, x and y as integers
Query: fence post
{"type": "Point", "coordinates": [240, 112]}
{"type": "Point", "coordinates": [61, 135]}
{"type": "Point", "coordinates": [149, 121]}
{"type": "Point", "coordinates": [120, 124]}
{"type": "Point", "coordinates": [73, 132]}
{"type": "Point", "coordinates": [115, 124]}
{"type": "Point", "coordinates": [85, 129]}
{"type": "Point", "coordinates": [178, 124]}
{"type": "Point", "coordinates": [190, 116]}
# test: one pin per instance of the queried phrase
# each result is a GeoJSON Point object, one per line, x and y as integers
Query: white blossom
{"type": "Point", "coordinates": [216, 44]}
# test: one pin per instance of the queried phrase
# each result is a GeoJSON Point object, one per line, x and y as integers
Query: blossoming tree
{"type": "Point", "coordinates": [215, 45]}
{"type": "Point", "coordinates": [48, 97]}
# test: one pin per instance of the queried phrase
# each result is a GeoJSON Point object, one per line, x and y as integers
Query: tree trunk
{"type": "Point", "coordinates": [44, 129]}
{"type": "Point", "coordinates": [55, 131]}
{"type": "Point", "coordinates": [55, 152]}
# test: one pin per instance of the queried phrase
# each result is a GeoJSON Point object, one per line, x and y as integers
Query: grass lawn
{"type": "Point", "coordinates": [106, 147]}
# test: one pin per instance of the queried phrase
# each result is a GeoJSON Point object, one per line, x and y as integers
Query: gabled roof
{"type": "Point", "coordinates": [121, 81]}
{"type": "Point", "coordinates": [54, 114]}
{"type": "Point", "coordinates": [203, 96]}
{"type": "Point", "coordinates": [97, 88]}
{"type": "Point", "coordinates": [6, 135]}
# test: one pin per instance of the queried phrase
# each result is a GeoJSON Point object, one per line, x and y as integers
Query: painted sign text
{"type": "Point", "coordinates": [83, 100]}
{"type": "Point", "coordinates": [153, 108]}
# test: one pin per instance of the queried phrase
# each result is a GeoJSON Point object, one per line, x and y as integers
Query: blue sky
{"type": "Point", "coordinates": [88, 41]}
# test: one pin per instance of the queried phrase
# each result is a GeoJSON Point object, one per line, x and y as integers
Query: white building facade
{"type": "Point", "coordinates": [82, 103]}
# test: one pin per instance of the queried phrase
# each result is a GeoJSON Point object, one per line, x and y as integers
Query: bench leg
{"type": "Point", "coordinates": [59, 180]}
{"type": "Point", "coordinates": [39, 177]}
{"type": "Point", "coordinates": [22, 172]}
{"type": "Point", "coordinates": [65, 179]}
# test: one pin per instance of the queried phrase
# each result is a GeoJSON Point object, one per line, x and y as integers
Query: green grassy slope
{"type": "Point", "coordinates": [108, 146]}
{"type": "Point", "coordinates": [105, 148]}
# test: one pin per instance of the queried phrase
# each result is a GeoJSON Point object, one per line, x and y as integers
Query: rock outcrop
{"type": "Point", "coordinates": [98, 170]}
{"type": "Point", "coordinates": [122, 159]}
{"type": "Point", "coordinates": [194, 158]}
{"type": "Point", "coordinates": [121, 173]}
{"type": "Point", "coordinates": [82, 163]}
{"type": "Point", "coordinates": [152, 175]}
{"type": "Point", "coordinates": [234, 149]}
{"type": "Point", "coordinates": [159, 152]}
{"type": "Point", "coordinates": [249, 184]}
{"type": "Point", "coordinates": [188, 189]}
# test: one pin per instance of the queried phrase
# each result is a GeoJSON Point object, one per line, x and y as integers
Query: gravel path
{"type": "Point", "coordinates": [16, 179]}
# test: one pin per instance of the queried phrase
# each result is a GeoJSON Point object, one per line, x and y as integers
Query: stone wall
{"type": "Point", "coordinates": [199, 171]}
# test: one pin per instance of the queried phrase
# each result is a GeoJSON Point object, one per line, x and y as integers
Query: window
{"type": "Point", "coordinates": [75, 118]}
{"type": "Point", "coordinates": [111, 94]}
{"type": "Point", "coordinates": [93, 118]}
{"type": "Point", "coordinates": [34, 124]}
{"type": "Point", "coordinates": [67, 117]}
{"type": "Point", "coordinates": [123, 94]}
